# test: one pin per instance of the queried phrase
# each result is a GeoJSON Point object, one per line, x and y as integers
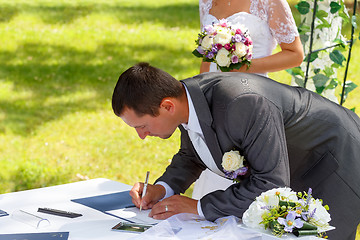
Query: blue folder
{"type": "Point", "coordinates": [107, 202]}
{"type": "Point", "coordinates": [36, 236]}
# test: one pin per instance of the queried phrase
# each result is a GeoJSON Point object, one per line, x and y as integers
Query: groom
{"type": "Point", "coordinates": [288, 135]}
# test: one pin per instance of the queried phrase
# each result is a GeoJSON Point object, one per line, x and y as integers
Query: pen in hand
{"type": "Point", "coordinates": [145, 187]}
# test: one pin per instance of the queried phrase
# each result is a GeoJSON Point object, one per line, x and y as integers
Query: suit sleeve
{"type": "Point", "coordinates": [184, 168]}
{"type": "Point", "coordinates": [255, 126]}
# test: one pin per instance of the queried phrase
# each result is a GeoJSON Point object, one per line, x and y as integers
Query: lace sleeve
{"type": "Point", "coordinates": [204, 8]}
{"type": "Point", "coordinates": [277, 14]}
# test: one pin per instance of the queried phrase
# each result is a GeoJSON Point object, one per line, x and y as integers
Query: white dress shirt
{"type": "Point", "coordinates": [197, 138]}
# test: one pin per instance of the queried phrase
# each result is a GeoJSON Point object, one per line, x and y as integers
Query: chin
{"type": "Point", "coordinates": [165, 137]}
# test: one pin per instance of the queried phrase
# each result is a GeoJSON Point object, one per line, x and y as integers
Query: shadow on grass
{"type": "Point", "coordinates": [48, 73]}
{"type": "Point", "coordinates": [174, 15]}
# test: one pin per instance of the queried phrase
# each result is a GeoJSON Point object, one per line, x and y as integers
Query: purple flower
{"type": "Point", "coordinates": [236, 173]}
{"type": "Point", "coordinates": [209, 29]}
{"type": "Point", "coordinates": [200, 50]}
{"type": "Point", "coordinates": [234, 59]}
{"type": "Point", "coordinates": [237, 38]}
{"type": "Point", "coordinates": [210, 55]}
{"type": "Point", "coordinates": [290, 222]}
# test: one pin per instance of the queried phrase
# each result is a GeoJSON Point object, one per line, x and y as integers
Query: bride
{"type": "Point", "coordinates": [269, 22]}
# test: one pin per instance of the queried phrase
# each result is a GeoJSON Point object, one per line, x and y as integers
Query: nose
{"type": "Point", "coordinates": [142, 134]}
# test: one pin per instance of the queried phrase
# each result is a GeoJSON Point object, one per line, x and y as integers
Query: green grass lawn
{"type": "Point", "coordinates": [59, 62]}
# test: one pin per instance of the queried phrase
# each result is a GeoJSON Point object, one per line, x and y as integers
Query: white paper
{"type": "Point", "coordinates": [133, 214]}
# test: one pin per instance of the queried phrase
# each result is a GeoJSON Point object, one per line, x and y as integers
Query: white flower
{"type": "Point", "coordinates": [271, 197]}
{"type": "Point", "coordinates": [321, 218]}
{"type": "Point", "coordinates": [223, 35]}
{"type": "Point", "coordinates": [253, 215]}
{"type": "Point", "coordinates": [232, 160]}
{"type": "Point", "coordinates": [240, 49]}
{"type": "Point", "coordinates": [222, 58]}
{"type": "Point", "coordinates": [207, 42]}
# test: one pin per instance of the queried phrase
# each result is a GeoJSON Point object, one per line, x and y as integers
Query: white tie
{"type": "Point", "coordinates": [203, 151]}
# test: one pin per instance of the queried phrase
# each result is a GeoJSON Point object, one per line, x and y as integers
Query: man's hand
{"type": "Point", "coordinates": [173, 205]}
{"type": "Point", "coordinates": [153, 194]}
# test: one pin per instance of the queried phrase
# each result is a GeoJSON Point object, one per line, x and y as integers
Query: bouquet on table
{"type": "Point", "coordinates": [283, 211]}
{"type": "Point", "coordinates": [228, 46]}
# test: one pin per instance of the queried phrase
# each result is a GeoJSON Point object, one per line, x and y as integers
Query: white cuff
{"type": "Point", "coordinates": [168, 190]}
{"type": "Point", "coordinates": [200, 212]}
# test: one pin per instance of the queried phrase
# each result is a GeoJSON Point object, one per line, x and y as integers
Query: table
{"type": "Point", "coordinates": [92, 225]}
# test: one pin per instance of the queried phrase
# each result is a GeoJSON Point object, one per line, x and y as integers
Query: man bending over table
{"type": "Point", "coordinates": [289, 136]}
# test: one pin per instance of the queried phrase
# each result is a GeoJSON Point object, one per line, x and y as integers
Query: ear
{"type": "Point", "coordinates": [168, 105]}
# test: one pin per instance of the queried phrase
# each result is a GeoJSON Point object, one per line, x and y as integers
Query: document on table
{"type": "Point", "coordinates": [119, 205]}
{"type": "Point", "coordinates": [134, 214]}
{"type": "Point", "coordinates": [107, 202]}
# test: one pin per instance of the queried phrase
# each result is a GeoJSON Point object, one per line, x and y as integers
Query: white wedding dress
{"type": "Point", "coordinates": [269, 22]}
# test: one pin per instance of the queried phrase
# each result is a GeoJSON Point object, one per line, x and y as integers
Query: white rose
{"type": "Point", "coordinates": [271, 197]}
{"type": "Point", "coordinates": [253, 215]}
{"type": "Point", "coordinates": [222, 58]}
{"type": "Point", "coordinates": [223, 36]}
{"type": "Point", "coordinates": [207, 42]}
{"type": "Point", "coordinates": [240, 49]}
{"type": "Point", "coordinates": [232, 161]}
{"type": "Point", "coordinates": [321, 217]}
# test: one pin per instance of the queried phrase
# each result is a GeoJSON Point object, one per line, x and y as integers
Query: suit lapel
{"type": "Point", "coordinates": [205, 119]}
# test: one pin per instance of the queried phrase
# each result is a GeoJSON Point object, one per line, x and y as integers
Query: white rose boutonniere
{"type": "Point", "coordinates": [233, 164]}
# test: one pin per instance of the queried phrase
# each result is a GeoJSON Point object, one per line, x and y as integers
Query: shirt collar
{"type": "Point", "coordinates": [193, 121]}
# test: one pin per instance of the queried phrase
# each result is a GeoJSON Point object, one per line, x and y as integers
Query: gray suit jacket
{"type": "Point", "coordinates": [290, 137]}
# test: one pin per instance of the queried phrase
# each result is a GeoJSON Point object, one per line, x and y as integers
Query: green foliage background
{"type": "Point", "coordinates": [59, 62]}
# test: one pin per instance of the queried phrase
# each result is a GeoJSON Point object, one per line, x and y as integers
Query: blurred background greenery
{"type": "Point", "coordinates": [59, 62]}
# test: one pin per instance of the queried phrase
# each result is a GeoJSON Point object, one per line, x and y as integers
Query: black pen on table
{"type": "Point", "coordinates": [145, 187]}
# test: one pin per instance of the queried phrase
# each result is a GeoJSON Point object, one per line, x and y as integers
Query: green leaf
{"type": "Point", "coordinates": [286, 203]}
{"type": "Point", "coordinates": [299, 81]}
{"type": "Point", "coordinates": [333, 84]}
{"type": "Point", "coordinates": [319, 90]}
{"type": "Point", "coordinates": [312, 58]}
{"type": "Point", "coordinates": [320, 80]}
{"type": "Point", "coordinates": [349, 86]}
{"type": "Point", "coordinates": [299, 233]}
{"type": "Point", "coordinates": [304, 38]}
{"type": "Point", "coordinates": [197, 54]}
{"type": "Point", "coordinates": [303, 7]}
{"type": "Point", "coordinates": [323, 25]}
{"type": "Point", "coordinates": [328, 71]}
{"type": "Point", "coordinates": [308, 226]}
{"type": "Point", "coordinates": [344, 17]}
{"type": "Point", "coordinates": [295, 71]}
{"type": "Point", "coordinates": [236, 65]}
{"type": "Point", "coordinates": [321, 14]}
{"type": "Point", "coordinates": [337, 57]}
{"type": "Point", "coordinates": [334, 7]}
{"type": "Point", "coordinates": [342, 43]}
{"type": "Point", "coordinates": [224, 69]}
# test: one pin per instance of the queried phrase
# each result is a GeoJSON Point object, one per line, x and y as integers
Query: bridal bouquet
{"type": "Point", "coordinates": [228, 46]}
{"type": "Point", "coordinates": [283, 211]}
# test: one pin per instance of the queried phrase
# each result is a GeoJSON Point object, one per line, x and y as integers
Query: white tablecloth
{"type": "Point", "coordinates": [92, 225]}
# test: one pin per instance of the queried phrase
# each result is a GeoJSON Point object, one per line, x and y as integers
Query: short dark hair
{"type": "Point", "coordinates": [142, 88]}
